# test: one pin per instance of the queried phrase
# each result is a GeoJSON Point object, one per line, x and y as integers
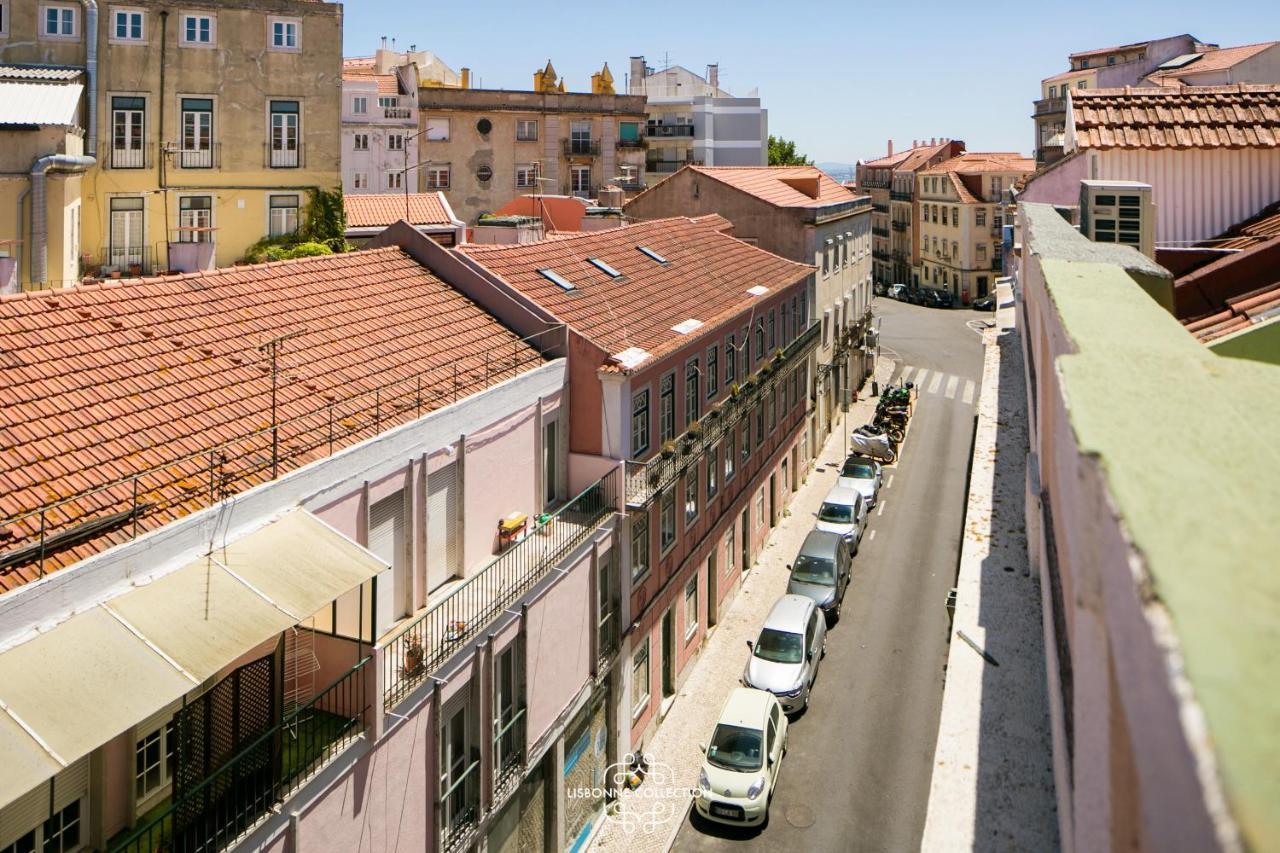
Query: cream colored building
{"type": "Point", "coordinates": [208, 126]}
{"type": "Point", "coordinates": [961, 218]}
{"type": "Point", "coordinates": [484, 147]}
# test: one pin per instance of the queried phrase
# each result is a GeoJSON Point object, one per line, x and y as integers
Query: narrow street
{"type": "Point", "coordinates": [856, 776]}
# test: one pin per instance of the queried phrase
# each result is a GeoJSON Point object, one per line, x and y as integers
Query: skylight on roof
{"type": "Point", "coordinates": [631, 356]}
{"type": "Point", "coordinates": [1180, 61]}
{"type": "Point", "coordinates": [556, 278]}
{"type": "Point", "coordinates": [758, 290]}
{"type": "Point", "coordinates": [687, 326]}
{"type": "Point", "coordinates": [645, 250]}
{"type": "Point", "coordinates": [604, 268]}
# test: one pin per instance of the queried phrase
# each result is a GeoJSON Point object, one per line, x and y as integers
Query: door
{"type": "Point", "coordinates": [786, 480]}
{"type": "Point", "coordinates": [126, 232]}
{"type": "Point", "coordinates": [746, 539]}
{"type": "Point", "coordinates": [442, 525]}
{"type": "Point", "coordinates": [773, 499]}
{"type": "Point", "coordinates": [550, 458]}
{"type": "Point", "coordinates": [581, 177]}
{"type": "Point", "coordinates": [713, 576]}
{"type": "Point", "coordinates": [668, 654]}
{"type": "Point", "coordinates": [386, 540]}
{"type": "Point", "coordinates": [454, 761]}
{"type": "Point", "coordinates": [127, 117]}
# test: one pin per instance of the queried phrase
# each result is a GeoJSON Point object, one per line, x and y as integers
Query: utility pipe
{"type": "Point", "coordinates": [91, 70]}
{"type": "Point", "coordinates": [74, 164]}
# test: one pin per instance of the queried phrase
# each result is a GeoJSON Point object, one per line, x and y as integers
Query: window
{"type": "Point", "coordinates": [1083, 84]}
{"type": "Point", "coordinates": [285, 34]}
{"type": "Point", "coordinates": [773, 410]}
{"type": "Point", "coordinates": [826, 326]}
{"type": "Point", "coordinates": [760, 424]}
{"type": "Point", "coordinates": [360, 180]}
{"type": "Point", "coordinates": [580, 137]}
{"type": "Point", "coordinates": [386, 101]}
{"type": "Point", "coordinates": [746, 439]}
{"type": "Point", "coordinates": [395, 141]}
{"type": "Point", "coordinates": [760, 508]}
{"type": "Point", "coordinates": [580, 181]}
{"type": "Point", "coordinates": [639, 423]}
{"type": "Point", "coordinates": [62, 831]}
{"type": "Point", "coordinates": [360, 105]}
{"type": "Point", "coordinates": [980, 217]}
{"type": "Point", "coordinates": [1053, 91]}
{"type": "Point", "coordinates": [691, 607]}
{"type": "Point", "coordinates": [730, 361]}
{"type": "Point", "coordinates": [360, 142]}
{"type": "Point", "coordinates": [196, 150]}
{"type": "Point", "coordinates": [283, 218]}
{"type": "Point", "coordinates": [826, 259]}
{"type": "Point", "coordinates": [153, 762]}
{"type": "Point", "coordinates": [944, 216]}
{"type": "Point", "coordinates": [713, 465]}
{"type": "Point", "coordinates": [128, 119]}
{"type": "Point", "coordinates": [667, 520]}
{"type": "Point", "coordinates": [395, 180]}
{"type": "Point", "coordinates": [284, 134]}
{"type": "Point", "coordinates": [527, 175]}
{"type": "Point", "coordinates": [730, 454]}
{"type": "Point", "coordinates": [729, 550]}
{"type": "Point", "coordinates": [437, 177]}
{"type": "Point", "coordinates": [982, 253]}
{"type": "Point", "coordinates": [924, 213]}
{"type": "Point", "coordinates": [507, 740]}
{"type": "Point", "coordinates": [126, 25]}
{"type": "Point", "coordinates": [437, 130]}
{"type": "Point", "coordinates": [713, 371]}
{"type": "Point", "coordinates": [128, 237]}
{"type": "Point", "coordinates": [773, 330]}
{"type": "Point", "coordinates": [640, 679]}
{"type": "Point", "coordinates": [4, 30]}
{"type": "Point", "coordinates": [690, 496]}
{"type": "Point", "coordinates": [1111, 60]}
{"type": "Point", "coordinates": [802, 313]}
{"type": "Point", "coordinates": [692, 395]}
{"type": "Point", "coordinates": [197, 31]}
{"type": "Point", "coordinates": [195, 218]}
{"type": "Point", "coordinates": [629, 132]}
{"type": "Point", "coordinates": [457, 786]}
{"type": "Point", "coordinates": [59, 22]}
{"type": "Point", "coordinates": [639, 545]}
{"type": "Point", "coordinates": [667, 408]}
{"type": "Point", "coordinates": [759, 339]}
{"type": "Point", "coordinates": [786, 329]}
{"type": "Point", "coordinates": [526, 130]}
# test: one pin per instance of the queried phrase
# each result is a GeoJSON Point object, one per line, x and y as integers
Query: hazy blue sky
{"type": "Point", "coordinates": [840, 79]}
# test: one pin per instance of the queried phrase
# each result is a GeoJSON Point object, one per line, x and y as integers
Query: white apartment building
{"type": "Point", "coordinates": [379, 123]}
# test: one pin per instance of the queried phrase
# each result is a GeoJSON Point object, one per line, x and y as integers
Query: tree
{"type": "Point", "coordinates": [782, 152]}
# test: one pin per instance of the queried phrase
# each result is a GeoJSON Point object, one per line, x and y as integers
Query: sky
{"type": "Point", "coordinates": [838, 78]}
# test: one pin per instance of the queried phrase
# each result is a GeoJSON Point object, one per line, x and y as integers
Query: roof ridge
{"type": "Point", "coordinates": [564, 237]}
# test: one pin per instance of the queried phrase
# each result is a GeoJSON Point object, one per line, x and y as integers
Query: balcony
{"type": "Point", "coordinates": [286, 157]}
{"type": "Point", "coordinates": [879, 207]}
{"type": "Point", "coordinates": [126, 261]}
{"type": "Point", "coordinates": [397, 112]}
{"type": "Point", "coordinates": [879, 231]}
{"type": "Point", "coordinates": [194, 158]}
{"type": "Point", "coordinates": [581, 192]}
{"type": "Point", "coordinates": [127, 154]}
{"type": "Point", "coordinates": [668, 131]}
{"type": "Point", "coordinates": [900, 195]}
{"type": "Point", "coordinates": [637, 143]}
{"type": "Point", "coordinates": [1049, 106]}
{"type": "Point", "coordinates": [899, 225]}
{"type": "Point", "coordinates": [423, 645]}
{"type": "Point", "coordinates": [646, 480]}
{"type": "Point", "coordinates": [581, 147]}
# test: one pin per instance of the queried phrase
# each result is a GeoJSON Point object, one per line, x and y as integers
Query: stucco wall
{"type": "Point", "coordinates": [558, 647]}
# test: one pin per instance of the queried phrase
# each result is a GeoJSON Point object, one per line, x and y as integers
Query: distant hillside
{"type": "Point", "coordinates": [839, 171]}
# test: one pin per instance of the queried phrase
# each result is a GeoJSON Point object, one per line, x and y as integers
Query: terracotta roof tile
{"type": "Point", "coordinates": [1241, 312]}
{"type": "Point", "coordinates": [981, 162]}
{"type": "Point", "coordinates": [1264, 225]}
{"type": "Point", "coordinates": [1239, 116]}
{"type": "Point", "coordinates": [707, 276]}
{"type": "Point", "coordinates": [1209, 62]}
{"type": "Point", "coordinates": [97, 405]}
{"type": "Point", "coordinates": [382, 209]}
{"type": "Point", "coordinates": [782, 186]}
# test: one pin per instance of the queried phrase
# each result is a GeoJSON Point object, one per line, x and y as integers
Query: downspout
{"type": "Point", "coordinates": [17, 247]}
{"type": "Point", "coordinates": [68, 163]}
{"type": "Point", "coordinates": [91, 71]}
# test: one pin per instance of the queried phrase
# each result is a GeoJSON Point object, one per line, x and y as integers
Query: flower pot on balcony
{"type": "Point", "coordinates": [668, 449]}
{"type": "Point", "coordinates": [653, 476]}
{"type": "Point", "coordinates": [135, 270]}
{"type": "Point", "coordinates": [414, 659]}
{"type": "Point", "coordinates": [695, 430]}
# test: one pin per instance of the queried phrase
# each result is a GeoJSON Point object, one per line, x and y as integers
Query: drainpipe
{"type": "Point", "coordinates": [17, 247]}
{"type": "Point", "coordinates": [91, 70]}
{"type": "Point", "coordinates": [68, 163]}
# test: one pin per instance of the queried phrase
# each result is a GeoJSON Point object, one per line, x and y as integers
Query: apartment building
{"type": "Point", "coordinates": [689, 351]}
{"type": "Point", "coordinates": [484, 147]}
{"type": "Point", "coordinates": [890, 181]}
{"type": "Point", "coordinates": [302, 600]}
{"type": "Point", "coordinates": [692, 120]}
{"type": "Point", "coordinates": [962, 204]}
{"type": "Point", "coordinates": [1105, 67]}
{"type": "Point", "coordinates": [379, 123]}
{"type": "Point", "coordinates": [207, 128]}
{"type": "Point", "coordinates": [1246, 63]}
{"type": "Point", "coordinates": [799, 213]}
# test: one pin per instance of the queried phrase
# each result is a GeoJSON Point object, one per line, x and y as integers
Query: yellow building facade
{"type": "Point", "coordinates": [209, 125]}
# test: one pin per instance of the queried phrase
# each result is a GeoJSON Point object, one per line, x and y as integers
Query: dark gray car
{"type": "Point", "coordinates": [821, 571]}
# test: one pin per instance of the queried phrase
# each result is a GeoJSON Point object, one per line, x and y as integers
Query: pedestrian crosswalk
{"type": "Point", "coordinates": [941, 384]}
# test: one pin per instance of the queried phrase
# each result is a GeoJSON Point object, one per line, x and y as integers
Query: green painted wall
{"type": "Point", "coordinates": [1259, 343]}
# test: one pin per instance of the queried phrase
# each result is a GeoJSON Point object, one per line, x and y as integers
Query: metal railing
{"type": "Point", "coordinates": [879, 231]}
{"type": "Point", "coordinates": [128, 261]}
{"type": "Point", "coordinates": [581, 147]}
{"type": "Point", "coordinates": [900, 195]}
{"type": "Point", "coordinates": [458, 823]}
{"type": "Point", "coordinates": [222, 807]}
{"type": "Point", "coordinates": [669, 130]}
{"type": "Point", "coordinates": [664, 165]}
{"type": "Point", "coordinates": [879, 207]}
{"type": "Point", "coordinates": [1047, 106]}
{"type": "Point", "coordinates": [196, 158]}
{"type": "Point", "coordinates": [509, 745]}
{"type": "Point", "coordinates": [640, 142]}
{"type": "Point", "coordinates": [424, 644]}
{"type": "Point", "coordinates": [898, 225]}
{"type": "Point", "coordinates": [397, 112]}
{"type": "Point", "coordinates": [119, 508]}
{"type": "Point", "coordinates": [289, 157]}
{"type": "Point", "coordinates": [127, 154]}
{"type": "Point", "coordinates": [607, 639]}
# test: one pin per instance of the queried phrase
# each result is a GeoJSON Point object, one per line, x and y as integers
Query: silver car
{"type": "Point", "coordinates": [843, 512]}
{"type": "Point", "coordinates": [784, 658]}
{"type": "Point", "coordinates": [821, 571]}
{"type": "Point", "coordinates": [864, 474]}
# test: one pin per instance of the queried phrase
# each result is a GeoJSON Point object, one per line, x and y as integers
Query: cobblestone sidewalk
{"type": "Point", "coordinates": [725, 654]}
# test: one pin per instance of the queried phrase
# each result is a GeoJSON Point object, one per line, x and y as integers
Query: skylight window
{"type": "Point", "coordinates": [604, 268]}
{"type": "Point", "coordinates": [556, 278]}
{"type": "Point", "coordinates": [645, 250]}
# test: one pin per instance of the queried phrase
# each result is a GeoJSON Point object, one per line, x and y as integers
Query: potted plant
{"type": "Point", "coordinates": [455, 630]}
{"type": "Point", "coordinates": [777, 355]}
{"type": "Point", "coordinates": [414, 659]}
{"type": "Point", "coordinates": [668, 449]}
{"type": "Point", "coordinates": [695, 430]}
{"type": "Point", "coordinates": [735, 389]}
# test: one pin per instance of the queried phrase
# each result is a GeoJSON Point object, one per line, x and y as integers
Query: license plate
{"type": "Point", "coordinates": [726, 811]}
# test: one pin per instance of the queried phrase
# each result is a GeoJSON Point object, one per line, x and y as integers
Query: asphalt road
{"type": "Point", "coordinates": [856, 775]}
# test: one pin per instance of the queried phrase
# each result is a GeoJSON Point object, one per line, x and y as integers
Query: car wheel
{"type": "Point", "coordinates": [824, 648]}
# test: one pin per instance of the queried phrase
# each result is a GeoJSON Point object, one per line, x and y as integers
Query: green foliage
{"type": "Point", "coordinates": [782, 152]}
{"type": "Point", "coordinates": [283, 249]}
{"type": "Point", "coordinates": [322, 232]}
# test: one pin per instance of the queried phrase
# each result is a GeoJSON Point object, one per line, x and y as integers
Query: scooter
{"type": "Point", "coordinates": [867, 440]}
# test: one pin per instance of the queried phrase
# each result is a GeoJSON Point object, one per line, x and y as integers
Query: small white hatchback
{"type": "Point", "coordinates": [741, 763]}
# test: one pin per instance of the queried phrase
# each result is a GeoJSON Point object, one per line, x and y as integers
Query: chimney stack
{"type": "Point", "coordinates": [466, 78]}
{"type": "Point", "coordinates": [635, 83]}
{"type": "Point", "coordinates": [890, 154]}
{"type": "Point", "coordinates": [713, 75]}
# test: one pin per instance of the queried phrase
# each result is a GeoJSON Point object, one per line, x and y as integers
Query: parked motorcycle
{"type": "Point", "coordinates": [877, 445]}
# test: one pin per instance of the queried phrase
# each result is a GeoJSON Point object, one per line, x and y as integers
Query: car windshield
{"type": "Point", "coordinates": [858, 470]}
{"type": "Point", "coordinates": [837, 513]}
{"type": "Point", "coordinates": [735, 748]}
{"type": "Point", "coordinates": [780, 646]}
{"type": "Point", "coordinates": [814, 570]}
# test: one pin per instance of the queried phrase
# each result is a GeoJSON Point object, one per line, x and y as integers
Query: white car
{"type": "Point", "coordinates": [864, 474]}
{"type": "Point", "coordinates": [843, 512]}
{"type": "Point", "coordinates": [741, 763]}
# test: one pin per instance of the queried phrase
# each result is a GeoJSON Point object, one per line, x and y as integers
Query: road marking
{"type": "Point", "coordinates": [937, 380]}
{"type": "Point", "coordinates": [921, 376]}
{"type": "Point", "coordinates": [872, 537]}
{"type": "Point", "coordinates": [968, 391]}
{"type": "Point", "coordinates": [890, 481]}
{"type": "Point", "coordinates": [952, 384]}
{"type": "Point", "coordinates": [906, 374]}
{"type": "Point", "coordinates": [880, 510]}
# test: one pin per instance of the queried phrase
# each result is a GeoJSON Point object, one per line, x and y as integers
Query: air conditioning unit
{"type": "Point", "coordinates": [1119, 212]}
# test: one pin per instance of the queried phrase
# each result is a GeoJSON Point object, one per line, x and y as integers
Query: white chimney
{"type": "Point", "coordinates": [890, 154]}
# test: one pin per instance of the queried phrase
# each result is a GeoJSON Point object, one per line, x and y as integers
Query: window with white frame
{"type": "Point", "coordinates": [127, 25]}
{"type": "Point", "coordinates": [667, 520]}
{"type": "Point", "coordinates": [360, 105]}
{"type": "Point", "coordinates": [458, 781]}
{"type": "Point", "coordinates": [729, 548]}
{"type": "Point", "coordinates": [284, 130]}
{"type": "Point", "coordinates": [526, 175]}
{"type": "Point", "coordinates": [197, 30]}
{"type": "Point", "coordinates": [360, 142]}
{"type": "Point", "coordinates": [508, 743]}
{"type": "Point", "coordinates": [437, 130]}
{"type": "Point", "coordinates": [692, 394]}
{"type": "Point", "coordinates": [526, 130]}
{"type": "Point", "coordinates": [395, 180]}
{"type": "Point", "coordinates": [640, 679]}
{"type": "Point", "coordinates": [437, 177]}
{"type": "Point", "coordinates": [639, 423]}
{"type": "Point", "coordinates": [285, 34]}
{"type": "Point", "coordinates": [128, 122]}
{"type": "Point", "coordinates": [639, 545]}
{"type": "Point", "coordinates": [395, 141]}
{"type": "Point", "coordinates": [386, 101]}
{"type": "Point", "coordinates": [360, 180]}
{"type": "Point", "coordinates": [580, 180]}
{"type": "Point", "coordinates": [195, 219]}
{"type": "Point", "coordinates": [283, 216]}
{"type": "Point", "coordinates": [59, 21]}
{"type": "Point", "coordinates": [153, 762]}
{"type": "Point", "coordinates": [196, 150]}
{"type": "Point", "coordinates": [980, 217]}
{"type": "Point", "coordinates": [691, 607]}
{"type": "Point", "coordinates": [713, 469]}
{"type": "Point", "coordinates": [690, 496]}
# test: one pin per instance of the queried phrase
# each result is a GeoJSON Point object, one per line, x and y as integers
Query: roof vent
{"type": "Point", "coordinates": [650, 253]}
{"type": "Point", "coordinates": [557, 279]}
{"type": "Point", "coordinates": [758, 290]}
{"type": "Point", "coordinates": [686, 327]}
{"type": "Point", "coordinates": [631, 356]}
{"type": "Point", "coordinates": [604, 268]}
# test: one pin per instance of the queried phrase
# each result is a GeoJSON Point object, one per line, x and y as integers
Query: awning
{"type": "Point", "coordinates": [39, 103]}
{"type": "Point", "coordinates": [75, 687]}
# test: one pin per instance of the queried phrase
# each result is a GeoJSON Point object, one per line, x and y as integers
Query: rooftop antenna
{"type": "Point", "coordinates": [273, 346]}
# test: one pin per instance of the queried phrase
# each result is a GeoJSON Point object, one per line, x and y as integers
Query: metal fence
{"type": "Point", "coordinates": [217, 811]}
{"type": "Point", "coordinates": [424, 644]}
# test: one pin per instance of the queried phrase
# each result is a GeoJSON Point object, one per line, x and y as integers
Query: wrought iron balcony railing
{"type": "Point", "coordinates": [663, 131]}
{"type": "Point", "coordinates": [581, 147]}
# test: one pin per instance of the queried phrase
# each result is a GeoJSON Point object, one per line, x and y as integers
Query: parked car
{"type": "Point", "coordinates": [821, 571]}
{"type": "Point", "coordinates": [915, 296]}
{"type": "Point", "coordinates": [784, 658]}
{"type": "Point", "coordinates": [843, 512]}
{"type": "Point", "coordinates": [879, 288]}
{"type": "Point", "coordinates": [898, 291]}
{"type": "Point", "coordinates": [985, 303]}
{"type": "Point", "coordinates": [741, 763]}
{"type": "Point", "coordinates": [864, 474]}
{"type": "Point", "coordinates": [935, 298]}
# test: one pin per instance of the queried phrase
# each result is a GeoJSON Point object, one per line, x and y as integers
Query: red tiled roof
{"type": "Point", "coordinates": [889, 161]}
{"type": "Point", "coordinates": [381, 209]}
{"type": "Point", "coordinates": [706, 278]}
{"type": "Point", "coordinates": [363, 68]}
{"type": "Point", "coordinates": [920, 155]}
{"type": "Point", "coordinates": [981, 162]}
{"type": "Point", "coordinates": [1241, 312]}
{"type": "Point", "coordinates": [1263, 225]}
{"type": "Point", "coordinates": [1062, 75]}
{"type": "Point", "coordinates": [1239, 116]}
{"type": "Point", "coordinates": [1210, 61]}
{"type": "Point", "coordinates": [781, 186]}
{"type": "Point", "coordinates": [147, 377]}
